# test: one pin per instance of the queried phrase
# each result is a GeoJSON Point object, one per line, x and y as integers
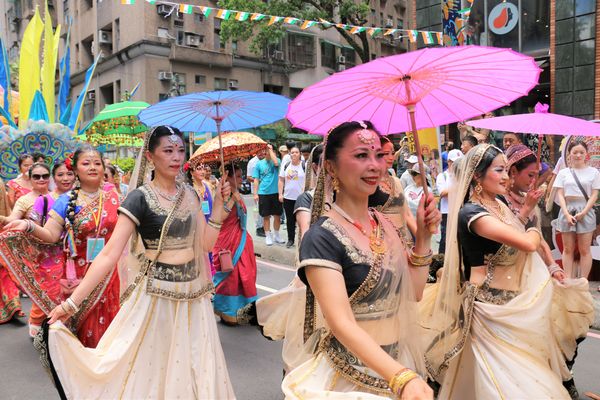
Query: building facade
{"type": "Point", "coordinates": [170, 53]}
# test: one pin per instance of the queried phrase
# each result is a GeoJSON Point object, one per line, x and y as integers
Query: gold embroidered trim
{"type": "Point", "coordinates": [318, 262]}
{"type": "Point", "coordinates": [476, 217]}
{"type": "Point", "coordinates": [130, 215]}
{"type": "Point", "coordinates": [155, 205]}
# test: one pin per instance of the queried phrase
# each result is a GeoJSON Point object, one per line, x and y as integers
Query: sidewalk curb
{"type": "Point", "coordinates": [277, 252]}
{"type": "Point", "coordinates": [596, 300]}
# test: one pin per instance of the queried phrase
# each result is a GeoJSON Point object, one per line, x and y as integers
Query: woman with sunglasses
{"type": "Point", "coordinates": [39, 176]}
{"type": "Point", "coordinates": [83, 221]}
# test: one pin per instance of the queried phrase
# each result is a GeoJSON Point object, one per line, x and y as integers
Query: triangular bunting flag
{"type": "Point", "coordinates": [308, 24]}
{"type": "Point", "coordinates": [223, 14]}
{"type": "Point", "coordinates": [242, 16]}
{"type": "Point", "coordinates": [151, 1]}
{"type": "Point", "coordinates": [274, 20]}
{"type": "Point", "coordinates": [128, 2]}
{"type": "Point", "coordinates": [389, 32]}
{"type": "Point", "coordinates": [440, 37]}
{"type": "Point", "coordinates": [257, 16]}
{"type": "Point", "coordinates": [412, 35]}
{"type": "Point", "coordinates": [205, 10]}
{"type": "Point", "coordinates": [427, 37]}
{"type": "Point", "coordinates": [326, 24]}
{"type": "Point", "coordinates": [291, 20]}
{"type": "Point", "coordinates": [374, 31]}
{"type": "Point", "coordinates": [186, 8]}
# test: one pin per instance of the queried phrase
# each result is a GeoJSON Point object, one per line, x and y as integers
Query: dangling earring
{"type": "Point", "coordinates": [150, 166]}
{"type": "Point", "coordinates": [478, 189]}
{"type": "Point", "coordinates": [336, 184]}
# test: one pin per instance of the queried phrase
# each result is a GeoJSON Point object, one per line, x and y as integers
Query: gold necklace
{"type": "Point", "coordinates": [494, 207]}
{"type": "Point", "coordinates": [376, 243]}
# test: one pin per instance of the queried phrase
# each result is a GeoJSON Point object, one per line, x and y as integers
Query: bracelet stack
{"type": "Point", "coordinates": [69, 306]}
{"type": "Point", "coordinates": [417, 260]}
{"type": "Point", "coordinates": [227, 209]}
{"type": "Point", "coordinates": [554, 268]}
{"type": "Point", "coordinates": [30, 226]}
{"type": "Point", "coordinates": [213, 224]}
{"type": "Point", "coordinates": [400, 380]}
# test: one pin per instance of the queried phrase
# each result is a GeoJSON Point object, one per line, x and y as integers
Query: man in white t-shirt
{"type": "Point", "coordinates": [443, 186]}
{"type": "Point", "coordinates": [291, 185]}
{"type": "Point", "coordinates": [260, 231]}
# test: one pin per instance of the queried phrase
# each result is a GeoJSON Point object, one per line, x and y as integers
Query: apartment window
{"type": "Point", "coordinates": [327, 55]}
{"type": "Point", "coordinates": [400, 23]}
{"type": "Point", "coordinates": [198, 17]}
{"type": "Point", "coordinates": [178, 23]}
{"type": "Point", "coordinates": [163, 96]}
{"type": "Point", "coordinates": [234, 47]}
{"type": "Point", "coordinates": [234, 84]}
{"type": "Point", "coordinates": [66, 7]}
{"type": "Point", "coordinates": [180, 38]}
{"type": "Point", "coordinates": [200, 80]}
{"type": "Point", "coordinates": [273, 89]}
{"type": "Point", "coordinates": [350, 56]}
{"type": "Point", "coordinates": [301, 49]}
{"type": "Point", "coordinates": [220, 84]}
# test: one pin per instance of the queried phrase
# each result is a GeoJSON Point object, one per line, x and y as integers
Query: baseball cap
{"type": "Point", "coordinates": [283, 147]}
{"type": "Point", "coordinates": [454, 155]}
{"type": "Point", "coordinates": [412, 159]}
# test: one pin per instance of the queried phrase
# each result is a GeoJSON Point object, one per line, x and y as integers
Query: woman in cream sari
{"type": "Point", "coordinates": [493, 331]}
{"type": "Point", "coordinates": [163, 343]}
{"type": "Point", "coordinates": [365, 280]}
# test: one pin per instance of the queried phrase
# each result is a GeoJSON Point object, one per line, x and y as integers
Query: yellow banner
{"type": "Point", "coordinates": [49, 66]}
{"type": "Point", "coordinates": [29, 66]}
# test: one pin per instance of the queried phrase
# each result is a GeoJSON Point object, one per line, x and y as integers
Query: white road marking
{"type": "Point", "coordinates": [266, 288]}
{"type": "Point", "coordinates": [276, 266]}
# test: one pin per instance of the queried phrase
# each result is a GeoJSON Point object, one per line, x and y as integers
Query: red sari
{"type": "Point", "coordinates": [25, 258]}
{"type": "Point", "coordinates": [235, 289]}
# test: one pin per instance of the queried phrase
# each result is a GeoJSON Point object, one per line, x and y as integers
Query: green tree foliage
{"type": "Point", "coordinates": [125, 164]}
{"type": "Point", "coordinates": [262, 35]}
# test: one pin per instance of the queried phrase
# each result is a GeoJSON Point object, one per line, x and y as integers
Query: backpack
{"type": "Point", "coordinates": [287, 164]}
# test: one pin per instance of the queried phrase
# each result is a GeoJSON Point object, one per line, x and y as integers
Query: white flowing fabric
{"type": "Point", "coordinates": [155, 348]}
{"type": "Point", "coordinates": [512, 350]}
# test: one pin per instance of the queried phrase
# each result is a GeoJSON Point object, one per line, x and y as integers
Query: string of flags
{"type": "Point", "coordinates": [428, 37]}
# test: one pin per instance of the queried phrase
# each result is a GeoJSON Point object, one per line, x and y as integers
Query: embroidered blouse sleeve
{"type": "Point", "coordinates": [303, 202]}
{"type": "Point", "coordinates": [134, 206]}
{"type": "Point", "coordinates": [320, 248]}
{"type": "Point", "coordinates": [470, 213]}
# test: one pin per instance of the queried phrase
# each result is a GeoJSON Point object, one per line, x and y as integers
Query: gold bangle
{"type": "Point", "coordinates": [214, 224]}
{"type": "Point", "coordinates": [400, 380]}
{"type": "Point", "coordinates": [417, 260]}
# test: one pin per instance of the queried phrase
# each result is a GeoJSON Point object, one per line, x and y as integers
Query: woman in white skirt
{"type": "Point", "coordinates": [365, 280]}
{"type": "Point", "coordinates": [163, 343]}
{"type": "Point", "coordinates": [577, 192]}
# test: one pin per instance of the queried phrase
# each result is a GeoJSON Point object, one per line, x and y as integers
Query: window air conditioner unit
{"type": "Point", "coordinates": [233, 84]}
{"type": "Point", "coordinates": [389, 23]}
{"type": "Point", "coordinates": [165, 75]}
{"type": "Point", "coordinates": [91, 96]}
{"type": "Point", "coordinates": [192, 40]}
{"type": "Point", "coordinates": [163, 10]}
{"type": "Point", "coordinates": [341, 60]}
{"type": "Point", "coordinates": [278, 55]}
{"type": "Point", "coordinates": [104, 37]}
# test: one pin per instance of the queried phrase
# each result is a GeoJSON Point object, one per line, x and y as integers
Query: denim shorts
{"type": "Point", "coordinates": [587, 223]}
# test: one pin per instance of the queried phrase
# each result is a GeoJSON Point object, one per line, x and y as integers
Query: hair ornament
{"type": "Point", "coordinates": [69, 162]}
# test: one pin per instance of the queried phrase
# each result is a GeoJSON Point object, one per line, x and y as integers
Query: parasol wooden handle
{"type": "Point", "coordinates": [411, 111]}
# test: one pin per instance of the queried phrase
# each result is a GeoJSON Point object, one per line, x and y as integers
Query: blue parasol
{"type": "Point", "coordinates": [217, 111]}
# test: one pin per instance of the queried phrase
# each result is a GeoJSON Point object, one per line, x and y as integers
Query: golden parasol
{"type": "Point", "coordinates": [236, 146]}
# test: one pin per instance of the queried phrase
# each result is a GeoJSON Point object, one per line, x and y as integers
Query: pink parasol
{"type": "Point", "coordinates": [415, 90]}
{"type": "Point", "coordinates": [541, 122]}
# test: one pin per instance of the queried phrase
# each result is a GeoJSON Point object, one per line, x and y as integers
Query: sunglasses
{"type": "Point", "coordinates": [37, 177]}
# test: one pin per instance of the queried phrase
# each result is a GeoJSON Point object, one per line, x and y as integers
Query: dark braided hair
{"type": "Point", "coordinates": [70, 214]}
